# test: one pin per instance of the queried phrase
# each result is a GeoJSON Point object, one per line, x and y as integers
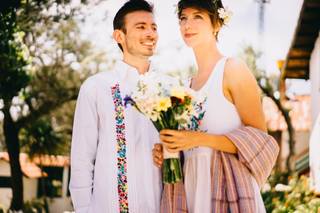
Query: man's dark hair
{"type": "Point", "coordinates": [129, 7]}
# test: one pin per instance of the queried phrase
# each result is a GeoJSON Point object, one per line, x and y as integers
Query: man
{"type": "Point", "coordinates": [111, 154]}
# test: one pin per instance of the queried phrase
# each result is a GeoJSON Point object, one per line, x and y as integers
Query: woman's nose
{"type": "Point", "coordinates": [187, 25]}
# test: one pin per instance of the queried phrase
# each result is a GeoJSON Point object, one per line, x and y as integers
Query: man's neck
{"type": "Point", "coordinates": [141, 64]}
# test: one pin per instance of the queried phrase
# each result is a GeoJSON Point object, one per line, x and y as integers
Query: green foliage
{"type": "Point", "coordinates": [250, 55]}
{"type": "Point", "coordinates": [12, 57]}
{"type": "Point", "coordinates": [58, 65]}
{"type": "Point", "coordinates": [295, 196]}
{"type": "Point", "coordinates": [269, 85]}
{"type": "Point", "coordinates": [34, 206]}
{"type": "Point", "coordinates": [39, 138]}
{"type": "Point", "coordinates": [42, 64]}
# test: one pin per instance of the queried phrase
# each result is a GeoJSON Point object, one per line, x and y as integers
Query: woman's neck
{"type": "Point", "coordinates": [206, 56]}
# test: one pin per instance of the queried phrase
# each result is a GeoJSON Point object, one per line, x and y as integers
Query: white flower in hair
{"type": "Point", "coordinates": [225, 14]}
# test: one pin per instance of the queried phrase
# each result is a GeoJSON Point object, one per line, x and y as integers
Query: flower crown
{"type": "Point", "coordinates": [224, 13]}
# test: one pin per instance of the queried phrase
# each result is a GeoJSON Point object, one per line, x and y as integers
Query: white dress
{"type": "Point", "coordinates": [221, 117]}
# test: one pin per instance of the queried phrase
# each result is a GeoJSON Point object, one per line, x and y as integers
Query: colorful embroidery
{"type": "Point", "coordinates": [121, 150]}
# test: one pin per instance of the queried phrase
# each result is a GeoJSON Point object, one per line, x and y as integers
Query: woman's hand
{"type": "Point", "coordinates": [157, 154]}
{"type": "Point", "coordinates": [178, 140]}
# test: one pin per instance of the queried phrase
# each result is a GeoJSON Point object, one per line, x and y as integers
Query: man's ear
{"type": "Point", "coordinates": [118, 36]}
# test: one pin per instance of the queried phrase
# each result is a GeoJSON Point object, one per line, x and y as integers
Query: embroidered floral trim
{"type": "Point", "coordinates": [121, 150]}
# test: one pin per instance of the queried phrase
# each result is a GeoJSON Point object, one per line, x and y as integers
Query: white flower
{"type": "Point", "coordinates": [225, 14]}
{"type": "Point", "coordinates": [266, 187]}
{"type": "Point", "coordinates": [153, 94]}
{"type": "Point", "coordinates": [282, 188]}
{"type": "Point", "coordinates": [178, 92]}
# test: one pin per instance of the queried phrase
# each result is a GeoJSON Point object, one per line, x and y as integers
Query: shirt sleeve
{"type": "Point", "coordinates": [83, 148]}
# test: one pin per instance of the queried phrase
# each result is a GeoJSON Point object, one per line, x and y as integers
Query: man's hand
{"type": "Point", "coordinates": [157, 154]}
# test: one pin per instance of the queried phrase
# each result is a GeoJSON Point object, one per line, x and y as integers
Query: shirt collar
{"type": "Point", "coordinates": [128, 72]}
{"type": "Point", "coordinates": [128, 75]}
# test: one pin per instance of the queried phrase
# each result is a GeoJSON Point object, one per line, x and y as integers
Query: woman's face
{"type": "Point", "coordinates": [196, 27]}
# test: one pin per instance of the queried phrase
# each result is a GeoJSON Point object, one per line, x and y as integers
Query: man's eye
{"type": "Point", "coordinates": [198, 17]}
{"type": "Point", "coordinates": [140, 27]}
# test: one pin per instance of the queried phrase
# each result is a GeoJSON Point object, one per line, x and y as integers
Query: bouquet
{"type": "Point", "coordinates": [169, 105]}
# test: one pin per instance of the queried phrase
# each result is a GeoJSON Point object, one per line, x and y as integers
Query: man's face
{"type": "Point", "coordinates": [140, 36]}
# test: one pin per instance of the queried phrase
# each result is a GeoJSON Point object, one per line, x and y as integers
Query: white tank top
{"type": "Point", "coordinates": [221, 115]}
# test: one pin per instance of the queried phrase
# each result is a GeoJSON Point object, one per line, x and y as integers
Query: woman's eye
{"type": "Point", "coordinates": [183, 18]}
{"type": "Point", "coordinates": [140, 27]}
{"type": "Point", "coordinates": [198, 17]}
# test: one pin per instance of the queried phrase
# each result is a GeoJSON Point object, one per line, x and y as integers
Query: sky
{"type": "Point", "coordinates": [280, 22]}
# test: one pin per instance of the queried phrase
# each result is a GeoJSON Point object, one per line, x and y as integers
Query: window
{"type": "Point", "coordinates": [5, 182]}
{"type": "Point", "coordinates": [51, 185]}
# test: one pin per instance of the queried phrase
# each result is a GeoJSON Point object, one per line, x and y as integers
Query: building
{"type": "Point", "coordinates": [300, 115]}
{"type": "Point", "coordinates": [303, 62]}
{"type": "Point", "coordinates": [55, 173]}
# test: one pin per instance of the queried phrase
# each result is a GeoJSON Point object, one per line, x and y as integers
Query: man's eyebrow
{"type": "Point", "coordinates": [140, 23]}
{"type": "Point", "coordinates": [144, 23]}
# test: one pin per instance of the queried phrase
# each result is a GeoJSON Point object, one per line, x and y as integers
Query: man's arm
{"type": "Point", "coordinates": [83, 148]}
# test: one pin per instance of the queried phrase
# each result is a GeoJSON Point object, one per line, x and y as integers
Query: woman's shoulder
{"type": "Point", "coordinates": [237, 72]}
{"type": "Point", "coordinates": [234, 64]}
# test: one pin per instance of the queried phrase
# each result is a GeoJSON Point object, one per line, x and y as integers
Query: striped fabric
{"type": "Point", "coordinates": [232, 189]}
{"type": "Point", "coordinates": [173, 198]}
{"type": "Point", "coordinates": [257, 150]}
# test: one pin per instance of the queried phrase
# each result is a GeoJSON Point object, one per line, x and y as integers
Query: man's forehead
{"type": "Point", "coordinates": [139, 17]}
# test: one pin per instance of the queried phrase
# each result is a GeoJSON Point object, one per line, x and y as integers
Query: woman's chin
{"type": "Point", "coordinates": [189, 43]}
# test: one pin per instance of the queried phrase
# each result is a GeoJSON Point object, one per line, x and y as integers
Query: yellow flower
{"type": "Point", "coordinates": [178, 92]}
{"type": "Point", "coordinates": [163, 104]}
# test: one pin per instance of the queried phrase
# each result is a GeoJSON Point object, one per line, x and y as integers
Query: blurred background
{"type": "Point", "coordinates": [48, 48]}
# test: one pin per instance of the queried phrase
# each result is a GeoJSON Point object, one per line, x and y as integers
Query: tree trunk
{"type": "Point", "coordinates": [43, 187]}
{"type": "Point", "coordinates": [12, 143]}
{"type": "Point", "coordinates": [287, 118]}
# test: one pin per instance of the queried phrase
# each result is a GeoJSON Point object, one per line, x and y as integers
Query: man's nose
{"type": "Point", "coordinates": [151, 33]}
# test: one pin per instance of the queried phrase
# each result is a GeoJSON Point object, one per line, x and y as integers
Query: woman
{"type": "Point", "coordinates": [233, 100]}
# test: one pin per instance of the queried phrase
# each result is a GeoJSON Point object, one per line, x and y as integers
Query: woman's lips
{"type": "Point", "coordinates": [189, 35]}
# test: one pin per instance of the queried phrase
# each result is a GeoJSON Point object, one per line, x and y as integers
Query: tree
{"type": "Point", "coordinates": [13, 78]}
{"type": "Point", "coordinates": [269, 87]}
{"type": "Point", "coordinates": [42, 67]}
{"type": "Point", "coordinates": [39, 139]}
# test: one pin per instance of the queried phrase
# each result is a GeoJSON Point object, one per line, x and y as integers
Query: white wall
{"type": "Point", "coordinates": [30, 187]}
{"type": "Point", "coordinates": [301, 146]}
{"type": "Point", "coordinates": [315, 80]}
{"type": "Point", "coordinates": [5, 197]}
{"type": "Point", "coordinates": [59, 205]}
{"type": "Point", "coordinates": [5, 193]}
{"type": "Point", "coordinates": [4, 168]}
